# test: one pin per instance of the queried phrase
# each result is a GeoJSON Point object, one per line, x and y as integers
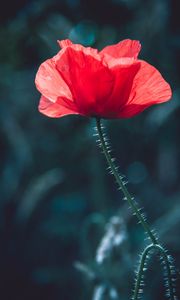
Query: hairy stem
{"type": "Point", "coordinates": [141, 271]}
{"type": "Point", "coordinates": [121, 184]}
{"type": "Point", "coordinates": [142, 267]}
{"type": "Point", "coordinates": [168, 267]}
{"type": "Point", "coordinates": [169, 270]}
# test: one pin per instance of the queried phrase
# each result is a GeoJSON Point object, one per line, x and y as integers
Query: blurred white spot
{"type": "Point", "coordinates": [113, 294]}
{"type": "Point", "coordinates": [115, 235]}
{"type": "Point", "coordinates": [99, 292]}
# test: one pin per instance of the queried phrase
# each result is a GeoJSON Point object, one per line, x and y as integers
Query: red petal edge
{"type": "Point", "coordinates": [54, 110]}
{"type": "Point", "coordinates": [149, 88]}
{"type": "Point", "coordinates": [125, 48]}
{"type": "Point", "coordinates": [64, 43]}
{"type": "Point", "coordinates": [50, 83]}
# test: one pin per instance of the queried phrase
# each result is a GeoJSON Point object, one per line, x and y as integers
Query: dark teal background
{"type": "Point", "coordinates": [56, 194]}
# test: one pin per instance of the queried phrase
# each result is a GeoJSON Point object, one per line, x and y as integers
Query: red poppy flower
{"type": "Point", "coordinates": [111, 83]}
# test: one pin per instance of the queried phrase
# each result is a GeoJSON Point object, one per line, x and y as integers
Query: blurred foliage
{"type": "Point", "coordinates": [56, 198]}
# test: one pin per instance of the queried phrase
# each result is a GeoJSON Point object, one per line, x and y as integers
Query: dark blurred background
{"type": "Point", "coordinates": [65, 231]}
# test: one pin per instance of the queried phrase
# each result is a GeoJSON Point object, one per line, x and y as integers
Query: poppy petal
{"type": "Point", "coordinates": [149, 87]}
{"type": "Point", "coordinates": [77, 47]}
{"type": "Point", "coordinates": [50, 83]}
{"type": "Point", "coordinates": [132, 110]}
{"type": "Point", "coordinates": [54, 110]}
{"type": "Point", "coordinates": [124, 71]}
{"type": "Point", "coordinates": [112, 83]}
{"type": "Point", "coordinates": [126, 48]}
{"type": "Point", "coordinates": [90, 80]}
{"type": "Point", "coordinates": [64, 43]}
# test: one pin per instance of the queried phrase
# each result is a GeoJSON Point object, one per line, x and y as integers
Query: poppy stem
{"type": "Point", "coordinates": [169, 270]}
{"type": "Point", "coordinates": [139, 281]}
{"type": "Point", "coordinates": [122, 186]}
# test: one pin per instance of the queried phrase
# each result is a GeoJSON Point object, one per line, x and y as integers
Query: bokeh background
{"type": "Point", "coordinates": [65, 231]}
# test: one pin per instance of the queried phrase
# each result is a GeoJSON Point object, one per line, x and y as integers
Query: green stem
{"type": "Point", "coordinates": [122, 186]}
{"type": "Point", "coordinates": [155, 245]}
{"type": "Point", "coordinates": [140, 272]}
{"type": "Point", "coordinates": [169, 271]}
